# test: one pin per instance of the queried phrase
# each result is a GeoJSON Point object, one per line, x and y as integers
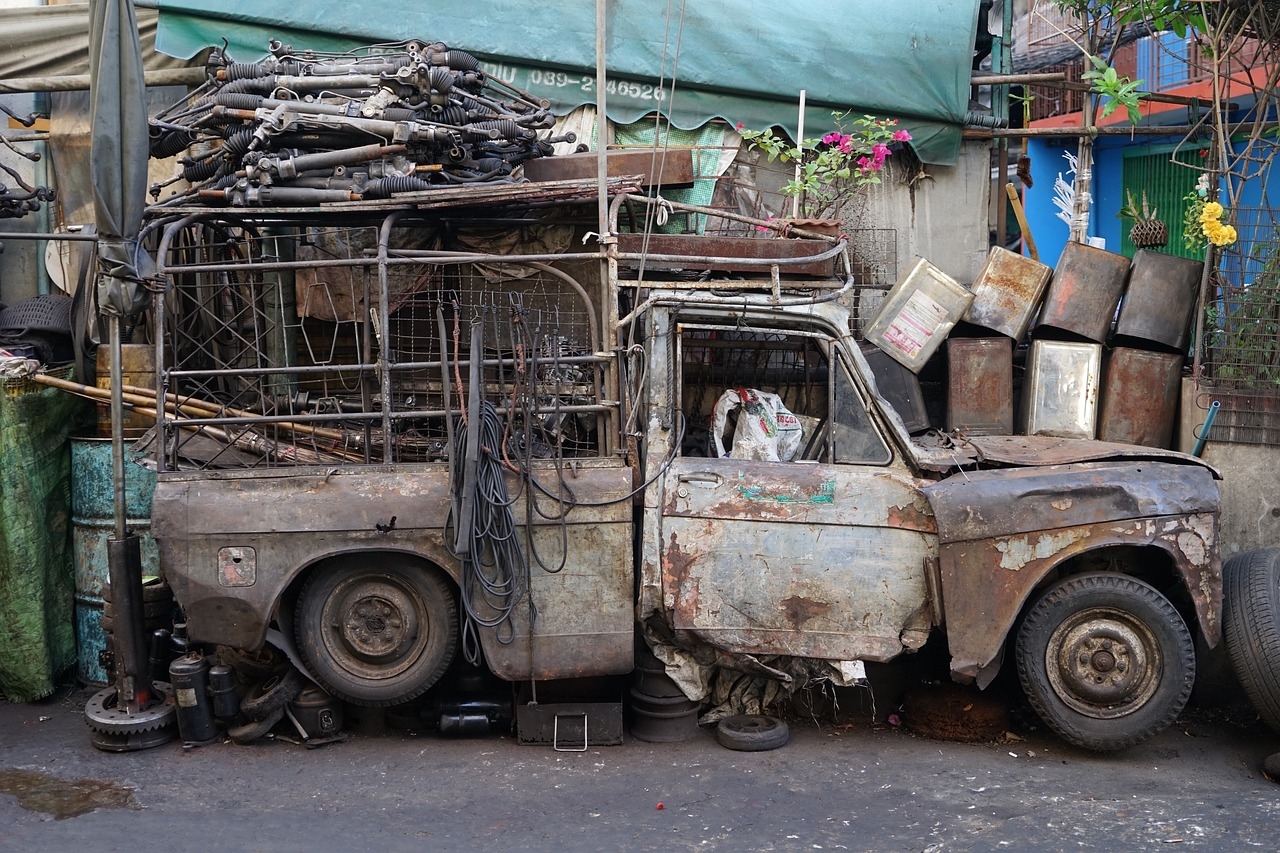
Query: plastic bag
{"type": "Point", "coordinates": [766, 429]}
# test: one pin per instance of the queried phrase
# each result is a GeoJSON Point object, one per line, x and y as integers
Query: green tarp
{"type": "Point", "coordinates": [741, 60]}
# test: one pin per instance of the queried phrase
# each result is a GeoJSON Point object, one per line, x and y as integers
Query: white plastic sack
{"type": "Point", "coordinates": [766, 429]}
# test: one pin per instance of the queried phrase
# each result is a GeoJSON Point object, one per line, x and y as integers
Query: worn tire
{"type": "Point", "coordinates": [1251, 627]}
{"type": "Point", "coordinates": [1105, 660]}
{"type": "Point", "coordinates": [266, 697]}
{"type": "Point", "coordinates": [752, 732]}
{"type": "Point", "coordinates": [254, 729]}
{"type": "Point", "coordinates": [378, 632]}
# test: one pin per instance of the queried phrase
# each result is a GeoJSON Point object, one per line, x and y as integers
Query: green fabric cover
{"type": "Point", "coordinates": [741, 60]}
{"type": "Point", "coordinates": [37, 575]}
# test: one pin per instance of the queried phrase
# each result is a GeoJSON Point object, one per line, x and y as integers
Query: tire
{"type": "Point", "coordinates": [752, 732]}
{"type": "Point", "coordinates": [254, 729]}
{"type": "Point", "coordinates": [1251, 627]}
{"type": "Point", "coordinates": [376, 633]}
{"type": "Point", "coordinates": [1105, 660]}
{"type": "Point", "coordinates": [265, 698]}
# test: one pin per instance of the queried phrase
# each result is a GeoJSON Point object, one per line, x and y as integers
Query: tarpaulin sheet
{"type": "Point", "coordinates": [741, 60]}
{"type": "Point", "coordinates": [37, 579]}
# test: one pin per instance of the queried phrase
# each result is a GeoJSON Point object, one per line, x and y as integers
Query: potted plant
{"type": "Point", "coordinates": [1147, 231]}
{"type": "Point", "coordinates": [834, 167]}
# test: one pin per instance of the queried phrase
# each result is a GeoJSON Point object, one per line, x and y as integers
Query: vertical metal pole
{"type": "Point", "coordinates": [795, 199]}
{"type": "Point", "coordinates": [602, 132]}
{"type": "Point", "coordinates": [117, 424]}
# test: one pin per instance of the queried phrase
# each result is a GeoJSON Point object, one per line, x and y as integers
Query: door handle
{"type": "Point", "coordinates": [701, 479]}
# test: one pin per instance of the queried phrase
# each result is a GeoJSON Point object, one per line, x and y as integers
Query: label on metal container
{"type": "Point", "coordinates": [917, 322]}
{"type": "Point", "coordinates": [186, 697]}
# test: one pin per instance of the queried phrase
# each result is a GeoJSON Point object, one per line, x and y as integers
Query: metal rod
{"type": "Point", "coordinates": [117, 424]}
{"type": "Point", "coordinates": [80, 82]}
{"type": "Point", "coordinates": [1124, 130]}
{"type": "Point", "coordinates": [1004, 79]}
{"type": "Point", "coordinates": [1204, 430]}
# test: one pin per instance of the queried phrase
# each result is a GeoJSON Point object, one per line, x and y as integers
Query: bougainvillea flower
{"type": "Point", "coordinates": [901, 135]}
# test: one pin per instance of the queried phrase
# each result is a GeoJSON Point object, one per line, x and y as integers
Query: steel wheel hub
{"type": "Point", "coordinates": [1103, 663]}
{"type": "Point", "coordinates": [375, 627]}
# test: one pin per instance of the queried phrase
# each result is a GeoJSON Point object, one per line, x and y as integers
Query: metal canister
{"type": "Point", "coordinates": [1007, 292]}
{"type": "Point", "coordinates": [1060, 390]}
{"type": "Point", "coordinates": [319, 714]}
{"type": "Point", "coordinates": [1140, 397]}
{"type": "Point", "coordinates": [918, 313]}
{"type": "Point", "coordinates": [980, 385]}
{"type": "Point", "coordinates": [189, 676]}
{"type": "Point", "coordinates": [899, 386]}
{"type": "Point", "coordinates": [222, 691]}
{"type": "Point", "coordinates": [1160, 299]}
{"type": "Point", "coordinates": [1084, 291]}
{"type": "Point", "coordinates": [138, 368]}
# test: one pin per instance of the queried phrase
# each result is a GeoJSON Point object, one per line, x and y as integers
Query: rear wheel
{"type": "Point", "coordinates": [378, 632]}
{"type": "Point", "coordinates": [1105, 660]}
{"type": "Point", "coordinates": [1251, 627]}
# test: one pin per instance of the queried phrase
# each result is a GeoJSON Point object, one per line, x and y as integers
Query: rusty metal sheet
{"type": "Point", "coordinates": [1140, 391]}
{"type": "Point", "coordinates": [797, 559]}
{"type": "Point", "coordinates": [1006, 292]}
{"type": "Point", "coordinates": [983, 504]}
{"type": "Point", "coordinates": [986, 584]}
{"type": "Point", "coordinates": [695, 252]}
{"type": "Point", "coordinates": [980, 385]}
{"type": "Point", "coordinates": [1160, 299]}
{"type": "Point", "coordinates": [1084, 291]}
{"type": "Point", "coordinates": [667, 167]}
{"type": "Point", "coordinates": [1049, 450]}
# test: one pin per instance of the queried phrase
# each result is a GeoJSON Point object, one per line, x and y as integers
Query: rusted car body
{"type": "Point", "coordinates": [859, 548]}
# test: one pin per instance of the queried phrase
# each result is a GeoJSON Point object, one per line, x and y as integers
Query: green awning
{"type": "Point", "coordinates": [741, 60]}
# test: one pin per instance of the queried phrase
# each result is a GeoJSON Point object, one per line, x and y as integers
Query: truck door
{"type": "Point", "coordinates": [824, 556]}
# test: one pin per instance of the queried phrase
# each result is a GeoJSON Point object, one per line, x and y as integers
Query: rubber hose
{"type": "Point", "coordinates": [196, 171]}
{"type": "Point", "coordinates": [263, 85]}
{"type": "Point", "coordinates": [460, 60]}
{"type": "Point", "coordinates": [385, 187]}
{"type": "Point", "coordinates": [243, 70]}
{"type": "Point", "coordinates": [236, 141]}
{"type": "Point", "coordinates": [441, 79]}
{"type": "Point", "coordinates": [167, 143]}
{"type": "Point", "coordinates": [238, 100]}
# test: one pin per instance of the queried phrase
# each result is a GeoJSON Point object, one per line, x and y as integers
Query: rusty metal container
{"type": "Point", "coordinates": [1140, 397]}
{"type": "Point", "coordinates": [918, 313]}
{"type": "Point", "coordinates": [1006, 293]}
{"type": "Point", "coordinates": [1084, 291]}
{"type": "Point", "coordinates": [899, 386]}
{"type": "Point", "coordinates": [980, 385]}
{"type": "Point", "coordinates": [137, 367]}
{"type": "Point", "coordinates": [1060, 390]}
{"type": "Point", "coordinates": [1160, 299]}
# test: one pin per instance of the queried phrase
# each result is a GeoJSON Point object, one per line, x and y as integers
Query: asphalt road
{"type": "Point", "coordinates": [856, 786]}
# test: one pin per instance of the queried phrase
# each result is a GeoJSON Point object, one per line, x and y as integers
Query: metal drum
{"type": "Point", "coordinates": [1007, 293]}
{"type": "Point", "coordinates": [1060, 390]}
{"type": "Point", "coordinates": [980, 385]}
{"type": "Point", "coordinates": [918, 313]}
{"type": "Point", "coordinates": [1140, 397]}
{"type": "Point", "coordinates": [1084, 291]}
{"type": "Point", "coordinates": [1160, 299]}
{"type": "Point", "coordinates": [92, 524]}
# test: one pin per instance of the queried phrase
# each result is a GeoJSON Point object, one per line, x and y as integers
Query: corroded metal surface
{"type": "Point", "coordinates": [980, 385]}
{"type": "Point", "coordinates": [806, 560]}
{"type": "Point", "coordinates": [668, 167]}
{"type": "Point", "coordinates": [1160, 299]}
{"type": "Point", "coordinates": [693, 251]}
{"type": "Point", "coordinates": [1085, 289]}
{"type": "Point", "coordinates": [1007, 292]}
{"type": "Point", "coordinates": [1140, 392]}
{"type": "Point", "coordinates": [1060, 391]}
{"type": "Point", "coordinates": [987, 582]}
{"type": "Point", "coordinates": [1048, 450]}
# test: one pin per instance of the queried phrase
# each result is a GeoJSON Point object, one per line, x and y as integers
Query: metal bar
{"type": "Point", "coordinates": [1005, 79]}
{"type": "Point", "coordinates": [45, 235]}
{"type": "Point", "coordinates": [1125, 130]}
{"type": "Point", "coordinates": [80, 82]}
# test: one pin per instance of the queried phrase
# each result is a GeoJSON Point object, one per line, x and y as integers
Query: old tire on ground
{"type": "Point", "coordinates": [752, 732]}
{"type": "Point", "coordinates": [378, 632]}
{"type": "Point", "coordinates": [266, 697]}
{"type": "Point", "coordinates": [1105, 660]}
{"type": "Point", "coordinates": [1251, 627]}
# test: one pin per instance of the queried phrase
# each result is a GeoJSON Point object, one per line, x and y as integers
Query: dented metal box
{"type": "Point", "coordinates": [980, 385]}
{"type": "Point", "coordinates": [1084, 291]}
{"type": "Point", "coordinates": [1006, 293]}
{"type": "Point", "coordinates": [918, 312]}
{"type": "Point", "coordinates": [1140, 397]}
{"type": "Point", "coordinates": [1160, 299]}
{"type": "Point", "coordinates": [1060, 390]}
{"type": "Point", "coordinates": [899, 386]}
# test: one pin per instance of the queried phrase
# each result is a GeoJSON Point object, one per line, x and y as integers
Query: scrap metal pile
{"type": "Point", "coordinates": [299, 128]}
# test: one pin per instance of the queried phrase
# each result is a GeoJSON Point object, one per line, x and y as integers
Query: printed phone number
{"type": "Point", "coordinates": [561, 80]}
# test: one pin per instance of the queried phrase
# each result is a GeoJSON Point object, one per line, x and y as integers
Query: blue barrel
{"type": "Point", "coordinates": [92, 524]}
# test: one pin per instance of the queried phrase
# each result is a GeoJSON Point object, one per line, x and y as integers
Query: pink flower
{"type": "Point", "coordinates": [762, 228]}
{"type": "Point", "coordinates": [846, 145]}
{"type": "Point", "coordinates": [901, 136]}
{"type": "Point", "coordinates": [878, 154]}
{"type": "Point", "coordinates": [832, 138]}
{"type": "Point", "coordinates": [741, 126]}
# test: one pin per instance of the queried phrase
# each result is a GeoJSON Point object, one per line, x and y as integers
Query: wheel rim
{"type": "Point", "coordinates": [1104, 663]}
{"type": "Point", "coordinates": [374, 626]}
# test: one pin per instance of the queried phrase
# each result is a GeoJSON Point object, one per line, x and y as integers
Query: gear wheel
{"type": "Point", "coordinates": [123, 731]}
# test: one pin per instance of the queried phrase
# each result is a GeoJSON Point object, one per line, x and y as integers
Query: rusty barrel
{"type": "Point", "coordinates": [92, 524]}
{"type": "Point", "coordinates": [1084, 291]}
{"type": "Point", "coordinates": [1140, 397]}
{"type": "Point", "coordinates": [1160, 299]}
{"type": "Point", "coordinates": [980, 385]}
{"type": "Point", "coordinates": [137, 367]}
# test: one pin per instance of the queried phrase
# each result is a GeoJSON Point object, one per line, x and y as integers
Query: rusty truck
{"type": "Point", "coordinates": [401, 433]}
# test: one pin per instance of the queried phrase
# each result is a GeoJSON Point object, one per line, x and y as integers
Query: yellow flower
{"type": "Point", "coordinates": [1223, 235]}
{"type": "Point", "coordinates": [1212, 212]}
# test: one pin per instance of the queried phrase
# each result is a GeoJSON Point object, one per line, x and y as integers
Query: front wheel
{"type": "Point", "coordinates": [379, 632]}
{"type": "Point", "coordinates": [1105, 660]}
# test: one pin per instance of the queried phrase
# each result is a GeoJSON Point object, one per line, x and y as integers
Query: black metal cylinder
{"type": "Point", "coordinates": [160, 656]}
{"type": "Point", "coordinates": [222, 689]}
{"type": "Point", "coordinates": [189, 676]}
{"type": "Point", "coordinates": [124, 560]}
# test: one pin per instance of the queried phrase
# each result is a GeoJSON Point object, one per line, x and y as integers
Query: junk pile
{"type": "Point", "coordinates": [301, 129]}
{"type": "Point", "coordinates": [1104, 357]}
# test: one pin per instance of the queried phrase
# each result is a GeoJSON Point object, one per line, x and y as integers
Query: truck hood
{"type": "Point", "coordinates": [946, 453]}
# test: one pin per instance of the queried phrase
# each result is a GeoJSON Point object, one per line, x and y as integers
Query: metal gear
{"type": "Point", "coordinates": [115, 729]}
